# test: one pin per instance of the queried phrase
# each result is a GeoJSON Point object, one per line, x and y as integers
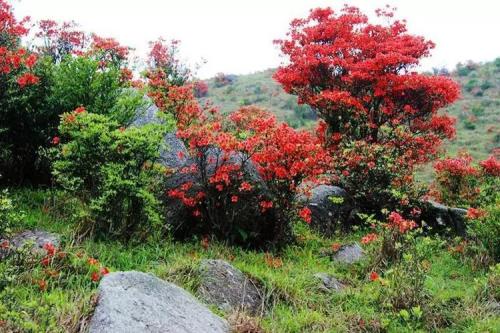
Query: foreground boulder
{"type": "Point", "coordinates": [329, 208]}
{"type": "Point", "coordinates": [228, 288]}
{"type": "Point", "coordinates": [349, 254]}
{"type": "Point", "coordinates": [136, 302]}
{"type": "Point", "coordinates": [35, 239]}
{"type": "Point", "coordinates": [440, 217]}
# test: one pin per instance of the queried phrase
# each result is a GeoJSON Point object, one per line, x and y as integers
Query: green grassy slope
{"type": "Point", "coordinates": [477, 112]}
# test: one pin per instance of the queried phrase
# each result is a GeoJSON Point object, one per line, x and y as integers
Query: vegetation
{"type": "Point", "coordinates": [238, 181]}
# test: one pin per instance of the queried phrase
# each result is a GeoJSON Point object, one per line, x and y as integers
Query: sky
{"type": "Point", "coordinates": [236, 36]}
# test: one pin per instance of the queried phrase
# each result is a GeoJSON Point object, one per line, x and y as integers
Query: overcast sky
{"type": "Point", "coordinates": [235, 36]}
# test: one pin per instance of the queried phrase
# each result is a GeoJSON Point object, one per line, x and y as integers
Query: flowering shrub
{"type": "Point", "coordinates": [360, 79]}
{"type": "Point", "coordinates": [461, 182]}
{"type": "Point", "coordinates": [239, 170]}
{"type": "Point", "coordinates": [164, 63]}
{"type": "Point", "coordinates": [113, 170]}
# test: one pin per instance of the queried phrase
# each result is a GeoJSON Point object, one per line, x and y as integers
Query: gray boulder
{"type": "Point", "coordinates": [349, 254]}
{"type": "Point", "coordinates": [328, 282]}
{"type": "Point", "coordinates": [327, 215]}
{"type": "Point", "coordinates": [441, 217]}
{"type": "Point", "coordinates": [228, 288]}
{"type": "Point", "coordinates": [136, 302]}
{"type": "Point", "coordinates": [35, 239]}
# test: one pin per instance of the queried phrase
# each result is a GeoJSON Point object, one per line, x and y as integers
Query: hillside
{"type": "Point", "coordinates": [477, 112]}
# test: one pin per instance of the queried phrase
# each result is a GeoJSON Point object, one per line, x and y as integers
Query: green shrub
{"type": "Point", "coordinates": [8, 214]}
{"type": "Point", "coordinates": [114, 171]}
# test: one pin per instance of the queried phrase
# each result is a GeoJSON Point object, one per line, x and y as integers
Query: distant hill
{"type": "Point", "coordinates": [477, 112]}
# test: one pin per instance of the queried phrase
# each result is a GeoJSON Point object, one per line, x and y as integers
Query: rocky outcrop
{"type": "Point", "coordinates": [136, 302]}
{"type": "Point", "coordinates": [35, 239]}
{"type": "Point", "coordinates": [228, 288]}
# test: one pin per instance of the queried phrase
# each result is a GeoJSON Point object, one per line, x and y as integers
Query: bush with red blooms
{"type": "Point", "coordinates": [242, 168]}
{"type": "Point", "coordinates": [164, 63]}
{"type": "Point", "coordinates": [460, 182]}
{"type": "Point", "coordinates": [379, 116]}
{"type": "Point", "coordinates": [200, 89]}
{"type": "Point", "coordinates": [60, 40]}
{"type": "Point", "coordinates": [52, 267]}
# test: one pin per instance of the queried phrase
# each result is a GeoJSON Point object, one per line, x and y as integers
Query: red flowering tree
{"type": "Point", "coordinates": [360, 79]}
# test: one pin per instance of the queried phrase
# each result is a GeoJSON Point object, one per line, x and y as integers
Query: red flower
{"type": "Point", "coordinates": [374, 276]}
{"type": "Point", "coordinates": [336, 247]}
{"type": "Point", "coordinates": [95, 276]}
{"type": "Point", "coordinates": [42, 284]}
{"type": "Point", "coordinates": [305, 214]}
{"type": "Point", "coordinates": [234, 199]}
{"type": "Point", "coordinates": [474, 213]}
{"type": "Point", "coordinates": [369, 238]}
{"type": "Point", "coordinates": [27, 79]}
{"type": "Point", "coordinates": [56, 140]}
{"type": "Point", "coordinates": [265, 205]}
{"type": "Point", "coordinates": [45, 261]}
{"type": "Point", "coordinates": [93, 261]}
{"type": "Point", "coordinates": [245, 186]}
{"type": "Point", "coordinates": [50, 248]}
{"type": "Point", "coordinates": [30, 61]}
{"type": "Point", "coordinates": [80, 109]}
{"type": "Point", "coordinates": [104, 271]}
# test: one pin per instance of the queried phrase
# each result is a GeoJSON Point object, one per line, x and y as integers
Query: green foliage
{"type": "Point", "coordinates": [114, 171]}
{"type": "Point", "coordinates": [9, 215]}
{"type": "Point", "coordinates": [486, 230]}
{"type": "Point", "coordinates": [81, 81]}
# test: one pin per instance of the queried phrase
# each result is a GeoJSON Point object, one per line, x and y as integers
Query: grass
{"type": "Point", "coordinates": [294, 302]}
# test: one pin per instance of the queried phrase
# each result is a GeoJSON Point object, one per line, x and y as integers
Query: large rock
{"type": "Point", "coordinates": [136, 302]}
{"type": "Point", "coordinates": [441, 217]}
{"type": "Point", "coordinates": [228, 288]}
{"type": "Point", "coordinates": [349, 254]}
{"type": "Point", "coordinates": [329, 207]}
{"type": "Point", "coordinates": [35, 239]}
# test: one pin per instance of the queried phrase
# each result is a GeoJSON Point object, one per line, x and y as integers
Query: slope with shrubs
{"type": "Point", "coordinates": [236, 181]}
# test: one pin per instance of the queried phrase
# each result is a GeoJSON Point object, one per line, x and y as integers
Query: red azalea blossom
{"type": "Point", "coordinates": [50, 249]}
{"type": "Point", "coordinates": [369, 238]}
{"type": "Point", "coordinates": [336, 247]}
{"type": "Point", "coordinates": [305, 214]}
{"type": "Point", "coordinates": [45, 261]}
{"type": "Point", "coordinates": [95, 276]}
{"type": "Point", "coordinates": [374, 276]}
{"type": "Point", "coordinates": [80, 110]}
{"type": "Point", "coordinates": [474, 213]}
{"type": "Point", "coordinates": [234, 199]}
{"type": "Point", "coordinates": [93, 261]}
{"type": "Point", "coordinates": [104, 271]}
{"type": "Point", "coordinates": [56, 140]}
{"type": "Point", "coordinates": [27, 79]}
